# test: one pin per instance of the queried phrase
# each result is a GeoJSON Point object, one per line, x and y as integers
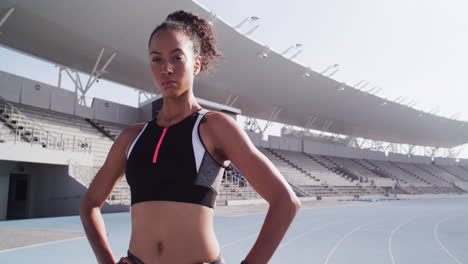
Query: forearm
{"type": "Point", "coordinates": [96, 233]}
{"type": "Point", "coordinates": [277, 221]}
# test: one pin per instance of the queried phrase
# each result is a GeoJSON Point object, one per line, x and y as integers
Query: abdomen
{"type": "Point", "coordinates": [173, 232]}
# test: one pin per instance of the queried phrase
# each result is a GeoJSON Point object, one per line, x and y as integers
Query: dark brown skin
{"type": "Point", "coordinates": [174, 66]}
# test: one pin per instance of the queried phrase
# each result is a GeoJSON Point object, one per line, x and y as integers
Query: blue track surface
{"type": "Point", "coordinates": [403, 232]}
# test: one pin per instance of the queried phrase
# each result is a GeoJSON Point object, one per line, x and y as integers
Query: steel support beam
{"type": "Point", "coordinates": [6, 16]}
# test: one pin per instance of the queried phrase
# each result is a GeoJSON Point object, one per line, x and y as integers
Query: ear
{"type": "Point", "coordinates": [198, 65]}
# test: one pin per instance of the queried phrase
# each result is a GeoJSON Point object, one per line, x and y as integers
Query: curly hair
{"type": "Point", "coordinates": [197, 29]}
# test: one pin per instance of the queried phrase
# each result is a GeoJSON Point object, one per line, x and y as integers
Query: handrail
{"type": "Point", "coordinates": [26, 129]}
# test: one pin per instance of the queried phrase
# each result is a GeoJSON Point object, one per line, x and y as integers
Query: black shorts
{"type": "Point", "coordinates": [219, 260]}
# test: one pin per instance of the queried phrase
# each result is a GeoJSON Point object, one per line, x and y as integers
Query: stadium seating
{"type": "Point", "coordinates": [404, 177]}
{"type": "Point", "coordinates": [71, 133]}
{"type": "Point", "coordinates": [309, 175]}
{"type": "Point", "coordinates": [457, 171]}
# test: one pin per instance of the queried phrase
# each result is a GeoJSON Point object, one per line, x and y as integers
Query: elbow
{"type": "Point", "coordinates": [297, 203]}
{"type": "Point", "coordinates": [288, 202]}
{"type": "Point", "coordinates": [293, 202]}
{"type": "Point", "coordinates": [86, 206]}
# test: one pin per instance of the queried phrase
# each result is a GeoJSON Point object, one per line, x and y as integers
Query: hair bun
{"type": "Point", "coordinates": [199, 31]}
{"type": "Point", "coordinates": [182, 17]}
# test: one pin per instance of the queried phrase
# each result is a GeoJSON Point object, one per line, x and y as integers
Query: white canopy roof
{"type": "Point", "coordinates": [72, 33]}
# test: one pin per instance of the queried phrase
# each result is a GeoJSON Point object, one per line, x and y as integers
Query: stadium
{"type": "Point", "coordinates": [337, 143]}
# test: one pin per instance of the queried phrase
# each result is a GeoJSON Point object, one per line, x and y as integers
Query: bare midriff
{"type": "Point", "coordinates": [173, 232]}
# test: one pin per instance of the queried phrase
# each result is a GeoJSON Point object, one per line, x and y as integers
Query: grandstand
{"type": "Point", "coordinates": [51, 145]}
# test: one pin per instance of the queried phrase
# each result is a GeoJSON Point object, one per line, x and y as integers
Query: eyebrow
{"type": "Point", "coordinates": [174, 50]}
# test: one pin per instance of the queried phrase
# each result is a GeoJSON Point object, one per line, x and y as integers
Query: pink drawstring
{"type": "Point", "coordinates": [155, 157]}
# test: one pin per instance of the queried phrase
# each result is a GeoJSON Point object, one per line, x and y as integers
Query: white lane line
{"type": "Point", "coordinates": [291, 240]}
{"type": "Point", "coordinates": [390, 239]}
{"type": "Point", "coordinates": [436, 235]}
{"type": "Point", "coordinates": [237, 241]}
{"type": "Point", "coordinates": [295, 223]}
{"type": "Point", "coordinates": [341, 240]}
{"type": "Point", "coordinates": [375, 230]}
{"type": "Point", "coordinates": [41, 244]}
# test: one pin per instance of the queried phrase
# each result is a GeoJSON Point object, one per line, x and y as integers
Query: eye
{"type": "Point", "coordinates": [177, 58]}
{"type": "Point", "coordinates": [156, 59]}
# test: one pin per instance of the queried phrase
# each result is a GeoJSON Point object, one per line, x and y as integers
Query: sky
{"type": "Point", "coordinates": [416, 49]}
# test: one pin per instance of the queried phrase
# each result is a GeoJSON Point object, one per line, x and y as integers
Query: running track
{"type": "Point", "coordinates": [398, 232]}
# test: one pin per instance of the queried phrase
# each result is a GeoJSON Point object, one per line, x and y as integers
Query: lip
{"type": "Point", "coordinates": [168, 82]}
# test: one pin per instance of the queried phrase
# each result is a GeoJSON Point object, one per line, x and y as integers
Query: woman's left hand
{"type": "Point", "coordinates": [126, 260]}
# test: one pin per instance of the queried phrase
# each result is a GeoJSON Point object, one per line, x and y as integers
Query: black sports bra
{"type": "Point", "coordinates": [172, 164]}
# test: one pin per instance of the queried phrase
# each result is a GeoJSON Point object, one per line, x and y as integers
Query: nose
{"type": "Point", "coordinates": [167, 69]}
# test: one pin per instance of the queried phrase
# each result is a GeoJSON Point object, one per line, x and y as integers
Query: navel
{"type": "Point", "coordinates": [160, 248]}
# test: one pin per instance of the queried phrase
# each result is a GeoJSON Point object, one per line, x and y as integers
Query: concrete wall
{"type": "Point", "coordinates": [51, 191]}
{"type": "Point", "coordinates": [10, 87]}
{"type": "Point", "coordinates": [84, 111]}
{"type": "Point", "coordinates": [146, 112]}
{"type": "Point", "coordinates": [319, 148]}
{"type": "Point", "coordinates": [445, 161]}
{"type": "Point", "coordinates": [291, 144]}
{"type": "Point", "coordinates": [22, 151]}
{"type": "Point", "coordinates": [29, 92]}
{"type": "Point", "coordinates": [63, 101]}
{"type": "Point", "coordinates": [274, 142]}
{"type": "Point", "coordinates": [423, 159]}
{"type": "Point", "coordinates": [373, 155]}
{"type": "Point", "coordinates": [36, 94]}
{"type": "Point", "coordinates": [5, 168]}
{"type": "Point", "coordinates": [255, 138]}
{"type": "Point", "coordinates": [114, 112]}
{"type": "Point", "coordinates": [463, 162]}
{"type": "Point", "coordinates": [265, 144]}
{"type": "Point", "coordinates": [398, 157]}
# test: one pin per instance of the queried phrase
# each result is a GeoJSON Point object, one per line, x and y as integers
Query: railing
{"type": "Point", "coordinates": [28, 131]}
{"type": "Point", "coordinates": [85, 175]}
{"type": "Point", "coordinates": [239, 189]}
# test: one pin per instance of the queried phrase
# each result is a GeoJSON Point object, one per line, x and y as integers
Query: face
{"type": "Point", "coordinates": [173, 62]}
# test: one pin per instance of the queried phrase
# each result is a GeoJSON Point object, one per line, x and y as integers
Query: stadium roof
{"type": "Point", "coordinates": [72, 33]}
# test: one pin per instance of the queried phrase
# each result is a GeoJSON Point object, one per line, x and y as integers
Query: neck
{"type": "Point", "coordinates": [175, 108]}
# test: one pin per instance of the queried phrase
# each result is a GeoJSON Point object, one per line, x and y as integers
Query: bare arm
{"type": "Point", "coordinates": [236, 146]}
{"type": "Point", "coordinates": [101, 187]}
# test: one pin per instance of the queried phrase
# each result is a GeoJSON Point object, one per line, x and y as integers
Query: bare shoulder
{"type": "Point", "coordinates": [133, 129]}
{"type": "Point", "coordinates": [228, 134]}
{"type": "Point", "coordinates": [217, 120]}
{"type": "Point", "coordinates": [113, 168]}
{"type": "Point", "coordinates": [237, 147]}
{"type": "Point", "coordinates": [129, 134]}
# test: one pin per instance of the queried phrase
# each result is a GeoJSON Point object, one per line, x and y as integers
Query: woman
{"type": "Point", "coordinates": [174, 164]}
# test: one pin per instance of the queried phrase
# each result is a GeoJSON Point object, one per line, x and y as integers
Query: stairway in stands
{"type": "Point", "coordinates": [431, 173]}
{"type": "Point", "coordinates": [381, 171]}
{"type": "Point", "coordinates": [333, 167]}
{"type": "Point", "coordinates": [410, 172]}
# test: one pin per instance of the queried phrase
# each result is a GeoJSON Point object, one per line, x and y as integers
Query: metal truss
{"type": "Point", "coordinates": [251, 123]}
{"type": "Point", "coordinates": [6, 16]}
{"type": "Point", "coordinates": [230, 101]}
{"type": "Point", "coordinates": [94, 76]}
{"type": "Point", "coordinates": [145, 94]}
